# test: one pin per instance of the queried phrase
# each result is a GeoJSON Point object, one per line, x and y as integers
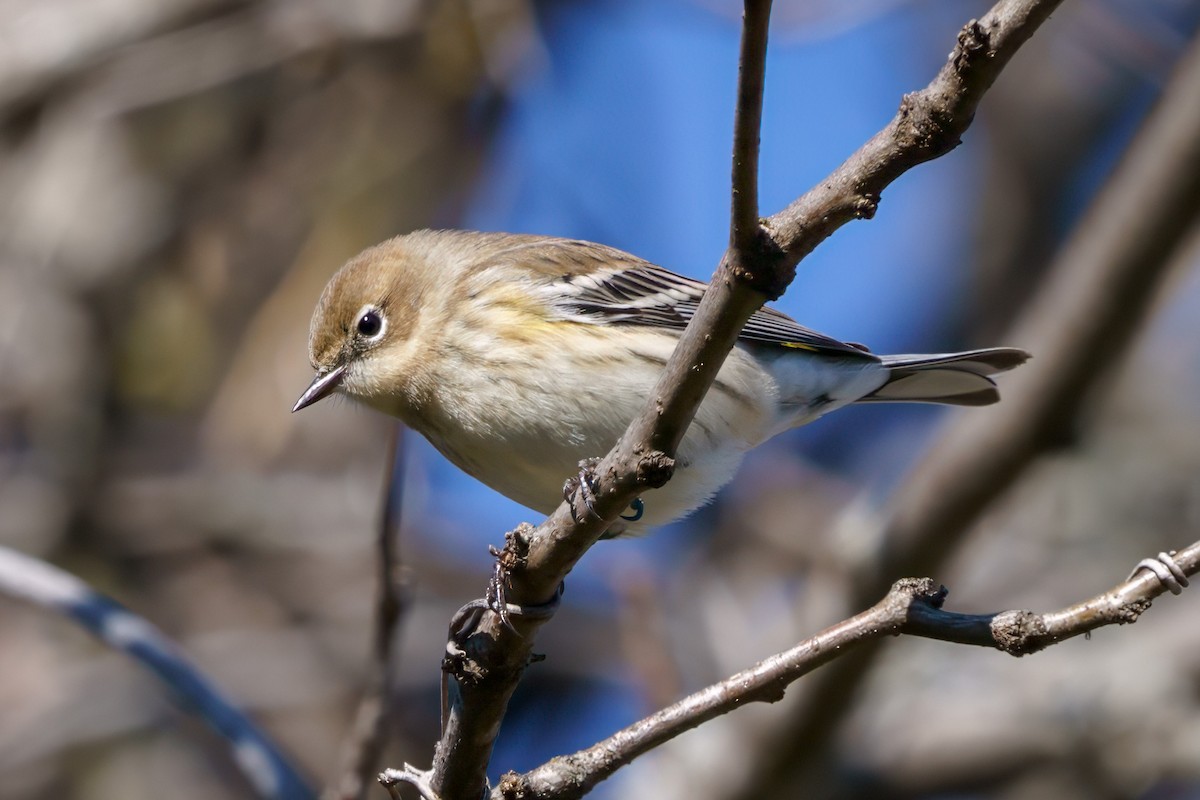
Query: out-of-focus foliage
{"type": "Point", "coordinates": [179, 179]}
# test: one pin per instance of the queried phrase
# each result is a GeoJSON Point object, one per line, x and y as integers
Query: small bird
{"type": "Point", "coordinates": [519, 356]}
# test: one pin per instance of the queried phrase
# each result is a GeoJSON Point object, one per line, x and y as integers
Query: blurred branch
{"type": "Point", "coordinates": [1096, 297]}
{"type": "Point", "coordinates": [364, 746]}
{"type": "Point", "coordinates": [913, 606]}
{"type": "Point", "coordinates": [149, 53]}
{"type": "Point", "coordinates": [489, 656]}
{"type": "Point", "coordinates": [40, 61]}
{"type": "Point", "coordinates": [42, 584]}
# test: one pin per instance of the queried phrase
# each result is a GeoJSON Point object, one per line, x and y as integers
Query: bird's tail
{"type": "Point", "coordinates": [959, 379]}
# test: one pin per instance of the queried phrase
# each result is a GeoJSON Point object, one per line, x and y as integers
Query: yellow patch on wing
{"type": "Point", "coordinates": [514, 314]}
{"type": "Point", "coordinates": [800, 346]}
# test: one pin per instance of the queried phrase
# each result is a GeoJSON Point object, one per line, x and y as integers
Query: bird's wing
{"type": "Point", "coordinates": [626, 290]}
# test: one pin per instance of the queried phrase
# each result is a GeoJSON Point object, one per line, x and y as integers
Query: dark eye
{"type": "Point", "coordinates": [370, 324]}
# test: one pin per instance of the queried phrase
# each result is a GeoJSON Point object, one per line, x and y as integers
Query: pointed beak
{"type": "Point", "coordinates": [321, 387]}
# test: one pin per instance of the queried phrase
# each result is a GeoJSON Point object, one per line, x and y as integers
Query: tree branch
{"type": "Point", "coordinates": [487, 657]}
{"type": "Point", "coordinates": [929, 124]}
{"type": "Point", "coordinates": [913, 606]}
{"type": "Point", "coordinates": [1097, 294]}
{"type": "Point", "coordinates": [743, 224]}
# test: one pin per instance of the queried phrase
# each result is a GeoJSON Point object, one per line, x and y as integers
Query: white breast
{"type": "Point", "coordinates": [524, 432]}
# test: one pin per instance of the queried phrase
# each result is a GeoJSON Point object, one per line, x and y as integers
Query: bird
{"type": "Point", "coordinates": [520, 356]}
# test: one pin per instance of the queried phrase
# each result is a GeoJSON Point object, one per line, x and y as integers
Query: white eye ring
{"type": "Point", "coordinates": [370, 323]}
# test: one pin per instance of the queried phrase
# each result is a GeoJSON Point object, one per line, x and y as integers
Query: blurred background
{"type": "Point", "coordinates": [179, 178]}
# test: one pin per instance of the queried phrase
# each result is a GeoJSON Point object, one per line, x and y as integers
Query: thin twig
{"type": "Point", "coordinates": [744, 225]}
{"type": "Point", "coordinates": [391, 779]}
{"type": "Point", "coordinates": [912, 607]}
{"type": "Point", "coordinates": [362, 750]}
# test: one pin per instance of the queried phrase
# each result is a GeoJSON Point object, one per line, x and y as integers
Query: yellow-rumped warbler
{"type": "Point", "coordinates": [519, 356]}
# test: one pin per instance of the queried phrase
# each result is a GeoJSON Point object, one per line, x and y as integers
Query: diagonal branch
{"type": "Point", "coordinates": [488, 657]}
{"type": "Point", "coordinates": [929, 124]}
{"type": "Point", "coordinates": [913, 606]}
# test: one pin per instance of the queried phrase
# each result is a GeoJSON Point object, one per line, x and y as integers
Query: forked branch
{"type": "Point", "coordinates": [488, 656]}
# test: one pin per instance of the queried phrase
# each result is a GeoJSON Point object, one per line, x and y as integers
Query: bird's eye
{"type": "Point", "coordinates": [370, 323]}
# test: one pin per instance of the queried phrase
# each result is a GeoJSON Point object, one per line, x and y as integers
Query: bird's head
{"type": "Point", "coordinates": [361, 339]}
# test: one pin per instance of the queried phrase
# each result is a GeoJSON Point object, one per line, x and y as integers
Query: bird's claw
{"type": "Point", "coordinates": [582, 486]}
{"type": "Point", "coordinates": [512, 557]}
{"type": "Point", "coordinates": [1166, 569]}
{"type": "Point", "coordinates": [496, 598]}
{"type": "Point", "coordinates": [639, 510]}
{"type": "Point", "coordinates": [497, 602]}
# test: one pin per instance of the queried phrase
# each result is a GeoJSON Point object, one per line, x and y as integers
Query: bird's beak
{"type": "Point", "coordinates": [321, 387]}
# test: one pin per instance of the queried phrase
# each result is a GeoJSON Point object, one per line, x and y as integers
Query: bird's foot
{"type": "Point", "coordinates": [582, 487]}
{"type": "Point", "coordinates": [512, 557]}
{"type": "Point", "coordinates": [639, 510]}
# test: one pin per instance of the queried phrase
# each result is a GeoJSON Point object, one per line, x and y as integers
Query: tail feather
{"type": "Point", "coordinates": [951, 378]}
